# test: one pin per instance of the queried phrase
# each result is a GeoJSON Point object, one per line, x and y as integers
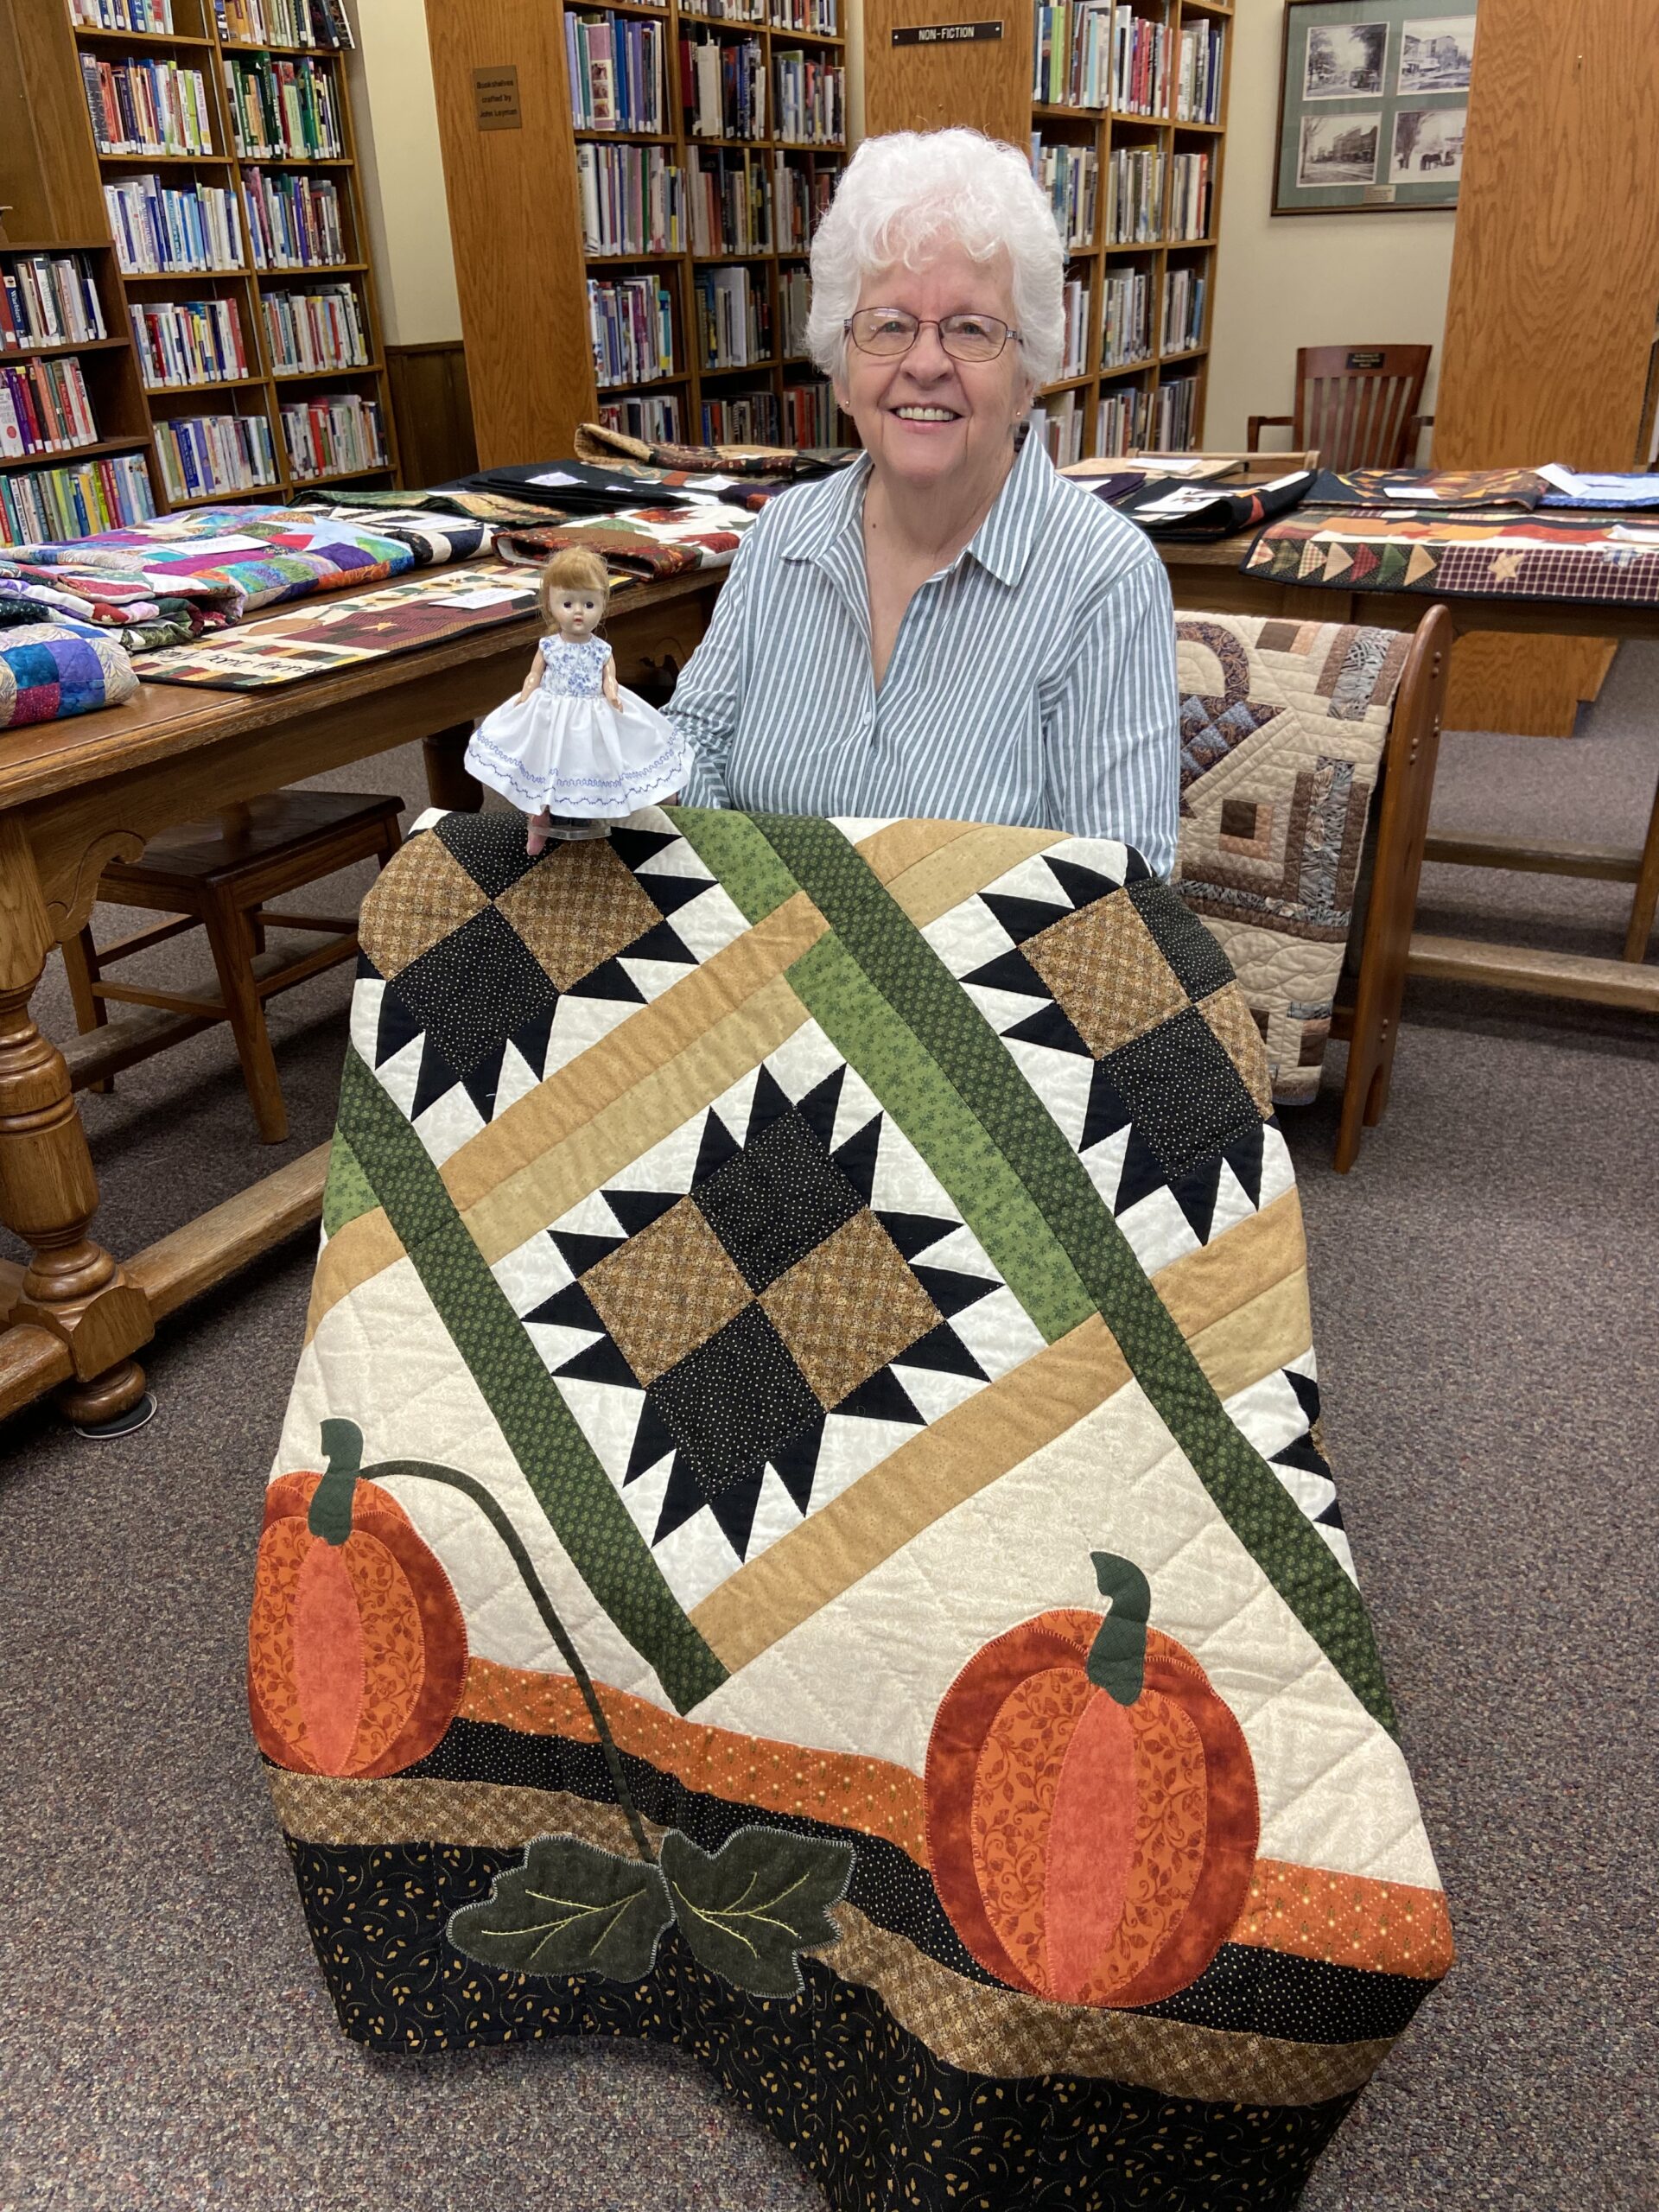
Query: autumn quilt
{"type": "Point", "coordinates": [802, 1528]}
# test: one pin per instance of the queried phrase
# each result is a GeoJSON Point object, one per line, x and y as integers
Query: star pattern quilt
{"type": "Point", "coordinates": [1581, 557]}
{"type": "Point", "coordinates": [802, 1529]}
{"type": "Point", "coordinates": [1283, 726]}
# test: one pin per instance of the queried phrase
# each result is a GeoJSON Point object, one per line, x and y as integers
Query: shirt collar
{"type": "Point", "coordinates": [1002, 545]}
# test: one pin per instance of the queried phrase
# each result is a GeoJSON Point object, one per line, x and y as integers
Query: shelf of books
{"type": "Point", "coordinates": [708, 141]}
{"type": "Point", "coordinates": [224, 340]}
{"type": "Point", "coordinates": [1128, 136]}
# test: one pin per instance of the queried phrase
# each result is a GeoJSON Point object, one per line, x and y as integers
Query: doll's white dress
{"type": "Point", "coordinates": [566, 751]}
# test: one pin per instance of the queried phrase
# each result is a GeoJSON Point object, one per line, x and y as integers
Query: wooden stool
{"type": "Point", "coordinates": [216, 875]}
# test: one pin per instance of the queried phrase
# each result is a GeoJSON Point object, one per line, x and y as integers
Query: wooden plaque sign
{"type": "Point", "coordinates": [495, 99]}
{"type": "Point", "coordinates": [947, 34]}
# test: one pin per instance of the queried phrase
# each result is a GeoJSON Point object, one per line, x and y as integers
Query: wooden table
{"type": "Point", "coordinates": [74, 795]}
{"type": "Point", "coordinates": [1208, 577]}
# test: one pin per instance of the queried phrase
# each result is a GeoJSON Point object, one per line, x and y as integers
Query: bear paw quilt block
{"type": "Point", "coordinates": [802, 1528]}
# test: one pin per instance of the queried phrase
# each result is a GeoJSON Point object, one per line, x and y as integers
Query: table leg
{"type": "Point", "coordinates": [448, 783]}
{"type": "Point", "coordinates": [48, 1193]}
{"type": "Point", "coordinates": [1646, 892]}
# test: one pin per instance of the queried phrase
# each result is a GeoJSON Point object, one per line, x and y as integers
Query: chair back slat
{"type": "Point", "coordinates": [1356, 402]}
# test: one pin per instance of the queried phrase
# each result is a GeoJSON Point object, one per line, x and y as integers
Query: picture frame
{"type": "Point", "coordinates": [1373, 105]}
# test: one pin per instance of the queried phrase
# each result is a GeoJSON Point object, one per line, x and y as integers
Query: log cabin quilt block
{"type": "Point", "coordinates": [802, 1529]}
{"type": "Point", "coordinates": [1283, 726]}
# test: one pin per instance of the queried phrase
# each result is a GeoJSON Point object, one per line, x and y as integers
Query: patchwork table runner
{"type": "Point", "coordinates": [1567, 557]}
{"type": "Point", "coordinates": [802, 1528]}
{"type": "Point", "coordinates": [1283, 730]}
{"type": "Point", "coordinates": [315, 640]}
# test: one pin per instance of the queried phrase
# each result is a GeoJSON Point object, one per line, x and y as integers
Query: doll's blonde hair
{"type": "Point", "coordinates": [574, 569]}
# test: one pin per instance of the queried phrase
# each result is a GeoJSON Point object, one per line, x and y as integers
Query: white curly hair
{"type": "Point", "coordinates": [909, 195]}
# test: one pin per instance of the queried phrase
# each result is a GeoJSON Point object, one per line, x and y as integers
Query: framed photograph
{"type": "Point", "coordinates": [1436, 57]}
{"type": "Point", "coordinates": [1337, 149]}
{"type": "Point", "coordinates": [1345, 60]}
{"type": "Point", "coordinates": [1373, 105]}
{"type": "Point", "coordinates": [1428, 144]}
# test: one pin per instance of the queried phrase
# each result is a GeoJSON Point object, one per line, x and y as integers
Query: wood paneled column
{"type": "Point", "coordinates": [1554, 293]}
{"type": "Point", "coordinates": [510, 178]}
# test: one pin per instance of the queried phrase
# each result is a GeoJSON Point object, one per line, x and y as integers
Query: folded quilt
{"type": "Point", "coordinates": [1283, 730]}
{"type": "Point", "coordinates": [1406, 488]}
{"type": "Point", "coordinates": [232, 561]}
{"type": "Point", "coordinates": [51, 670]}
{"type": "Point", "coordinates": [596, 443]}
{"type": "Point", "coordinates": [649, 542]}
{"type": "Point", "coordinates": [802, 1528]}
{"type": "Point", "coordinates": [1572, 557]}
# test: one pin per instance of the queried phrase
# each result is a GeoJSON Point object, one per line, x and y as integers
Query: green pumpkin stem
{"type": "Point", "coordinates": [451, 1479]}
{"type": "Point", "coordinates": [1117, 1657]}
{"type": "Point", "coordinates": [330, 1517]}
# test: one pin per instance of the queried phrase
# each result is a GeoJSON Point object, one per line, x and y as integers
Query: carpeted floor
{"type": "Point", "coordinates": [1485, 1297]}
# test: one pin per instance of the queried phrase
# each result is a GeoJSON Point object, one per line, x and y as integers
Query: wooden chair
{"type": "Point", "coordinates": [1357, 404]}
{"type": "Point", "coordinates": [216, 875]}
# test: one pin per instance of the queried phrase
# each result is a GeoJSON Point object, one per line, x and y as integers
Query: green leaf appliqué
{"type": "Point", "coordinates": [568, 1907]}
{"type": "Point", "coordinates": [762, 1898]}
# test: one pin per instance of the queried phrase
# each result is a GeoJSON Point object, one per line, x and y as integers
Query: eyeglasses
{"type": "Point", "coordinates": [890, 332]}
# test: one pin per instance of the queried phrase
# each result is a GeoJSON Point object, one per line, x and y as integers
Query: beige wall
{"type": "Point", "coordinates": [397, 119]}
{"type": "Point", "coordinates": [1303, 280]}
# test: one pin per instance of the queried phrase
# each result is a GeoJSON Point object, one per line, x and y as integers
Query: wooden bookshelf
{"type": "Point", "coordinates": [515, 202]}
{"type": "Point", "coordinates": [988, 84]}
{"type": "Point", "coordinates": [63, 174]}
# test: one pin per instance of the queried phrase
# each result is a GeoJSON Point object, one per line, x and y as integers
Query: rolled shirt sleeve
{"type": "Point", "coordinates": [1112, 728]}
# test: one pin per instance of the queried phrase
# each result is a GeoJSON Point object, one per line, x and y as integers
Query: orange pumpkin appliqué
{"type": "Point", "coordinates": [356, 1650]}
{"type": "Point", "coordinates": [1087, 1848]}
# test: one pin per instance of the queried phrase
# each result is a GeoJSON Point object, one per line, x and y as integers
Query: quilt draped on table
{"type": "Point", "coordinates": [1564, 557]}
{"type": "Point", "coordinates": [802, 1528]}
{"type": "Point", "coordinates": [1283, 730]}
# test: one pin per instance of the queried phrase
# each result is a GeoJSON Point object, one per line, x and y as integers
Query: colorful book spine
{"type": "Point", "coordinates": [1134, 195]}
{"type": "Point", "coordinates": [44, 408]}
{"type": "Point", "coordinates": [734, 320]}
{"type": "Point", "coordinates": [183, 342]}
{"type": "Point", "coordinates": [1175, 414]}
{"type": "Point", "coordinates": [630, 323]}
{"type": "Point", "coordinates": [655, 418]}
{"type": "Point", "coordinates": [335, 433]}
{"type": "Point", "coordinates": [615, 68]}
{"type": "Point", "coordinates": [282, 110]}
{"type": "Point", "coordinates": [1121, 420]}
{"type": "Point", "coordinates": [202, 456]}
{"type": "Point", "coordinates": [1189, 196]}
{"type": "Point", "coordinates": [819, 16]}
{"type": "Point", "coordinates": [1185, 292]}
{"type": "Point", "coordinates": [321, 24]}
{"type": "Point", "coordinates": [1126, 318]}
{"type": "Point", "coordinates": [146, 107]}
{"type": "Point", "coordinates": [732, 203]}
{"type": "Point", "coordinates": [744, 418]}
{"type": "Point", "coordinates": [728, 11]}
{"type": "Point", "coordinates": [1070, 176]}
{"type": "Point", "coordinates": [323, 330]}
{"type": "Point", "coordinates": [1198, 81]}
{"type": "Point", "coordinates": [794, 305]}
{"type": "Point", "coordinates": [151, 17]}
{"type": "Point", "coordinates": [809, 413]}
{"type": "Point", "coordinates": [723, 86]}
{"type": "Point", "coordinates": [810, 99]}
{"type": "Point", "coordinates": [48, 300]}
{"type": "Point", "coordinates": [49, 504]}
{"type": "Point", "coordinates": [632, 200]}
{"type": "Point", "coordinates": [294, 221]}
{"type": "Point", "coordinates": [160, 229]}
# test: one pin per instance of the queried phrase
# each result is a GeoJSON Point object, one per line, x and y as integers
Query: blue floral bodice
{"type": "Point", "coordinates": [573, 672]}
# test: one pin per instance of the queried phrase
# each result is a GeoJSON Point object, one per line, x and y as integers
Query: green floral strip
{"type": "Point", "coordinates": [347, 1192]}
{"type": "Point", "coordinates": [570, 1485]}
{"type": "Point", "coordinates": [901, 963]}
{"type": "Point", "coordinates": [985, 1189]}
{"type": "Point", "coordinates": [750, 872]}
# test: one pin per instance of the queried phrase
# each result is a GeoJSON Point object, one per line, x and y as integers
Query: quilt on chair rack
{"type": "Point", "coordinates": [1283, 730]}
{"type": "Point", "coordinates": [802, 1528]}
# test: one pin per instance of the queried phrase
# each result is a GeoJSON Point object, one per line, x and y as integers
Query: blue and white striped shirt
{"type": "Point", "coordinates": [1032, 682]}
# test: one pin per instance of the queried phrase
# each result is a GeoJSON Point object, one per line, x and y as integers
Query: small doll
{"type": "Point", "coordinates": [573, 750]}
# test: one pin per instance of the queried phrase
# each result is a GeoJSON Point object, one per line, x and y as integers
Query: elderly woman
{"type": "Point", "coordinates": [948, 627]}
